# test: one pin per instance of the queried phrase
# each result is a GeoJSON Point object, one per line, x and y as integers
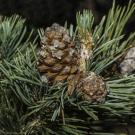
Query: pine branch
{"type": "Point", "coordinates": [109, 41]}
{"type": "Point", "coordinates": [28, 105]}
{"type": "Point", "coordinates": [119, 103]}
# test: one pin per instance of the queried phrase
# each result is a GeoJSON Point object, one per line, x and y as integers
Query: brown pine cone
{"type": "Point", "coordinates": [58, 58]}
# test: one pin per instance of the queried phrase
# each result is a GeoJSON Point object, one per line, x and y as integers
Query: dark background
{"type": "Point", "coordinates": [42, 13]}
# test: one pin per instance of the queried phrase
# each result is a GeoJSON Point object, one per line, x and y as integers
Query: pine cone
{"type": "Point", "coordinates": [58, 58]}
{"type": "Point", "coordinates": [127, 66]}
{"type": "Point", "coordinates": [92, 87]}
{"type": "Point", "coordinates": [59, 61]}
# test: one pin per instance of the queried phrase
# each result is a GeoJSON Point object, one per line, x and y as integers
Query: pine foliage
{"type": "Point", "coordinates": [30, 106]}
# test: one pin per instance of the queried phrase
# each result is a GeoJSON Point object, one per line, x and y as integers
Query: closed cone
{"type": "Point", "coordinates": [58, 58]}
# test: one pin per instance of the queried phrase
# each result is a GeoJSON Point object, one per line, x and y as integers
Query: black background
{"type": "Point", "coordinates": [42, 13]}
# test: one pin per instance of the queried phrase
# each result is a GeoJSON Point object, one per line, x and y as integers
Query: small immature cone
{"type": "Point", "coordinates": [92, 87]}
